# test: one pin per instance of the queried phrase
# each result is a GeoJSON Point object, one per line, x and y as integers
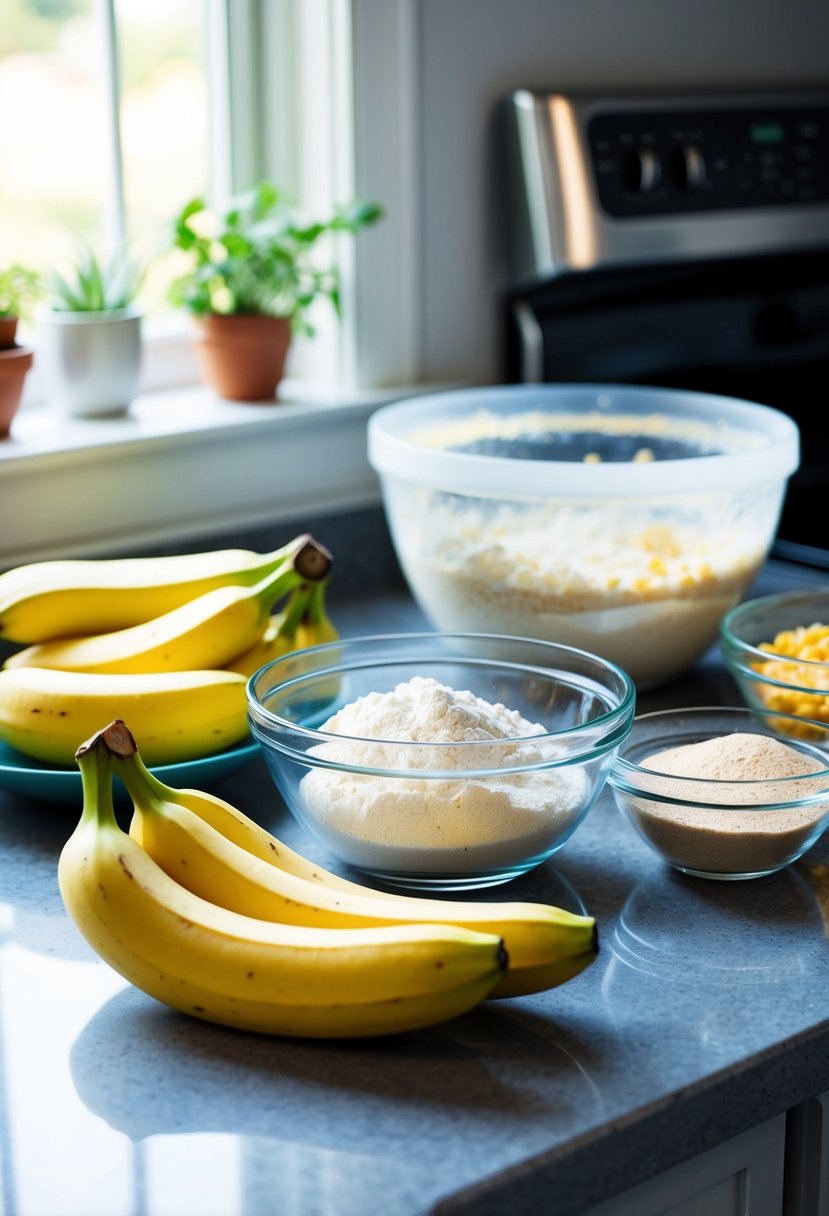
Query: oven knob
{"type": "Point", "coordinates": [643, 171]}
{"type": "Point", "coordinates": [690, 166]}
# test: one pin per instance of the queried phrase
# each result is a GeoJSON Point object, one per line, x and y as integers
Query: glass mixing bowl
{"type": "Point", "coordinates": [624, 521]}
{"type": "Point", "coordinates": [722, 828]}
{"type": "Point", "coordinates": [777, 650]}
{"type": "Point", "coordinates": [440, 803]}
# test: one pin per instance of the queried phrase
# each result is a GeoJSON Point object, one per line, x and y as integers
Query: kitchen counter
{"type": "Point", "coordinates": [705, 1015]}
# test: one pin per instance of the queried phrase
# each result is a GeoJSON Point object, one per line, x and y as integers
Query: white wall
{"type": "Point", "coordinates": [429, 73]}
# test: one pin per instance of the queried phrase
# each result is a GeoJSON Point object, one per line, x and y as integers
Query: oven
{"type": "Point", "coordinates": [681, 242]}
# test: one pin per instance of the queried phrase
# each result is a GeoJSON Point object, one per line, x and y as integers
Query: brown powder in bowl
{"type": "Point", "coordinates": [718, 841]}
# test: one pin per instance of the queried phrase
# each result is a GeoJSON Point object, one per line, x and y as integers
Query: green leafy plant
{"type": "Point", "coordinates": [258, 256]}
{"type": "Point", "coordinates": [20, 288]}
{"type": "Point", "coordinates": [96, 285]}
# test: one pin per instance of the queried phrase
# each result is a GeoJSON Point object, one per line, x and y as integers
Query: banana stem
{"type": "Point", "coordinates": [315, 613]}
{"type": "Point", "coordinates": [309, 561]}
{"type": "Point", "coordinates": [271, 562]}
{"type": "Point", "coordinates": [313, 560]}
{"type": "Point", "coordinates": [95, 762]}
{"type": "Point", "coordinates": [118, 743]}
{"type": "Point", "coordinates": [295, 610]}
{"type": "Point", "coordinates": [304, 554]}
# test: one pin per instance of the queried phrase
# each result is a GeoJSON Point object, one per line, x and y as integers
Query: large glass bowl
{"type": "Point", "coordinates": [776, 651]}
{"type": "Point", "coordinates": [445, 815]}
{"type": "Point", "coordinates": [624, 521]}
{"type": "Point", "coordinates": [718, 828]}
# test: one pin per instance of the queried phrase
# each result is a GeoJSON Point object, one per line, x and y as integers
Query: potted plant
{"type": "Point", "coordinates": [90, 337]}
{"type": "Point", "coordinates": [19, 288]}
{"type": "Point", "coordinates": [251, 278]}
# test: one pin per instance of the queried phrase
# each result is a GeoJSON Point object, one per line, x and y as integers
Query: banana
{"type": "Point", "coordinates": [55, 599]}
{"type": "Point", "coordinates": [201, 842]}
{"type": "Point", "coordinates": [238, 971]}
{"type": "Point", "coordinates": [208, 631]}
{"type": "Point", "coordinates": [177, 715]}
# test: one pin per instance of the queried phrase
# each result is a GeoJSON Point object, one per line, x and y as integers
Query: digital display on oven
{"type": "Point", "coordinates": [766, 133]}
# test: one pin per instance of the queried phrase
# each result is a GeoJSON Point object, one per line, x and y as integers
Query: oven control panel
{"type": "Point", "coordinates": [597, 181]}
{"type": "Point", "coordinates": [684, 161]}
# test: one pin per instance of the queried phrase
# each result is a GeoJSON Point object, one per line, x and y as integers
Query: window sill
{"type": "Point", "coordinates": [181, 464]}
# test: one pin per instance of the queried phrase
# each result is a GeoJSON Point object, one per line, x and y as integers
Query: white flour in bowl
{"type": "Point", "coordinates": [719, 840]}
{"type": "Point", "coordinates": [647, 596]}
{"type": "Point", "coordinates": [446, 823]}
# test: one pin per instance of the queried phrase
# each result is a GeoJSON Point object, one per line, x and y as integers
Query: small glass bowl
{"type": "Point", "coordinates": [722, 829]}
{"type": "Point", "coordinates": [770, 678]}
{"type": "Point", "coordinates": [438, 815]}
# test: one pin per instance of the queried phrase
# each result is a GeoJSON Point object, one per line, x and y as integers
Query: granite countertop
{"type": "Point", "coordinates": [705, 1014]}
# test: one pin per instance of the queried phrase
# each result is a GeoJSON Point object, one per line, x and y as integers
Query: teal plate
{"type": "Point", "coordinates": [21, 774]}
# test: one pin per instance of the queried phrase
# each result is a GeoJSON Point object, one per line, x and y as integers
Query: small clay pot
{"type": "Point", "coordinates": [14, 367]}
{"type": "Point", "coordinates": [8, 332]}
{"type": "Point", "coordinates": [243, 357]}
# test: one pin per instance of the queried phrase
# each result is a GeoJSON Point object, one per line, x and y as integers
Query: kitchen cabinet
{"type": "Point", "coordinates": [807, 1158]}
{"type": "Point", "coordinates": [743, 1177]}
{"type": "Point", "coordinates": [778, 1169]}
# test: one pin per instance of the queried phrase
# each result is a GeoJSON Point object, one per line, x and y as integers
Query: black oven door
{"type": "Point", "coordinates": [755, 328]}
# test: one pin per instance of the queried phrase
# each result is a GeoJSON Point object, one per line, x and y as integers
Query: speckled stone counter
{"type": "Point", "coordinates": [706, 1013]}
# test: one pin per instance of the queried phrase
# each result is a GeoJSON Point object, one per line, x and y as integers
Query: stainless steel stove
{"type": "Point", "coordinates": [681, 241]}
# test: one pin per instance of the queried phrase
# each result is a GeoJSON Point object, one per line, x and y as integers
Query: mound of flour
{"type": "Point", "coordinates": [495, 820]}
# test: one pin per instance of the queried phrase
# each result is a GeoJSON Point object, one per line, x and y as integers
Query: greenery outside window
{"type": "Point", "coordinates": [110, 129]}
{"type": "Point", "coordinates": [123, 110]}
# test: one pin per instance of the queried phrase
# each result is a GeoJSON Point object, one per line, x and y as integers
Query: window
{"type": "Point", "coordinates": [126, 109]}
{"type": "Point", "coordinates": [110, 133]}
{"type": "Point", "coordinates": [123, 110]}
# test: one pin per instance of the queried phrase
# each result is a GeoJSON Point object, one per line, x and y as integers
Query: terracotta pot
{"type": "Point", "coordinates": [243, 357]}
{"type": "Point", "coordinates": [14, 367]}
{"type": "Point", "coordinates": [8, 332]}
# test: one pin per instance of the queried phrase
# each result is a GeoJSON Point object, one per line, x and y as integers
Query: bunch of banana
{"type": "Point", "coordinates": [242, 971]}
{"type": "Point", "coordinates": [172, 673]}
{"type": "Point", "coordinates": [64, 598]}
{"type": "Point", "coordinates": [223, 856]}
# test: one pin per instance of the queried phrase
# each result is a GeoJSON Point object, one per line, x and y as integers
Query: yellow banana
{"type": "Point", "coordinates": [54, 599]}
{"type": "Point", "coordinates": [197, 839]}
{"type": "Point", "coordinates": [238, 971]}
{"type": "Point", "coordinates": [176, 715]}
{"type": "Point", "coordinates": [208, 631]}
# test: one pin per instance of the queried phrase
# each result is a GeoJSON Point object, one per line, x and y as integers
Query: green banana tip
{"type": "Point", "coordinates": [94, 759]}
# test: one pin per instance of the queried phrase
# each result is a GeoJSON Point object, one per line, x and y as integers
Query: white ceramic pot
{"type": "Point", "coordinates": [90, 361]}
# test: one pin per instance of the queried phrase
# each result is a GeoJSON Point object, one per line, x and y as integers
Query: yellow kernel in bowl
{"type": "Point", "coordinates": [806, 642]}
